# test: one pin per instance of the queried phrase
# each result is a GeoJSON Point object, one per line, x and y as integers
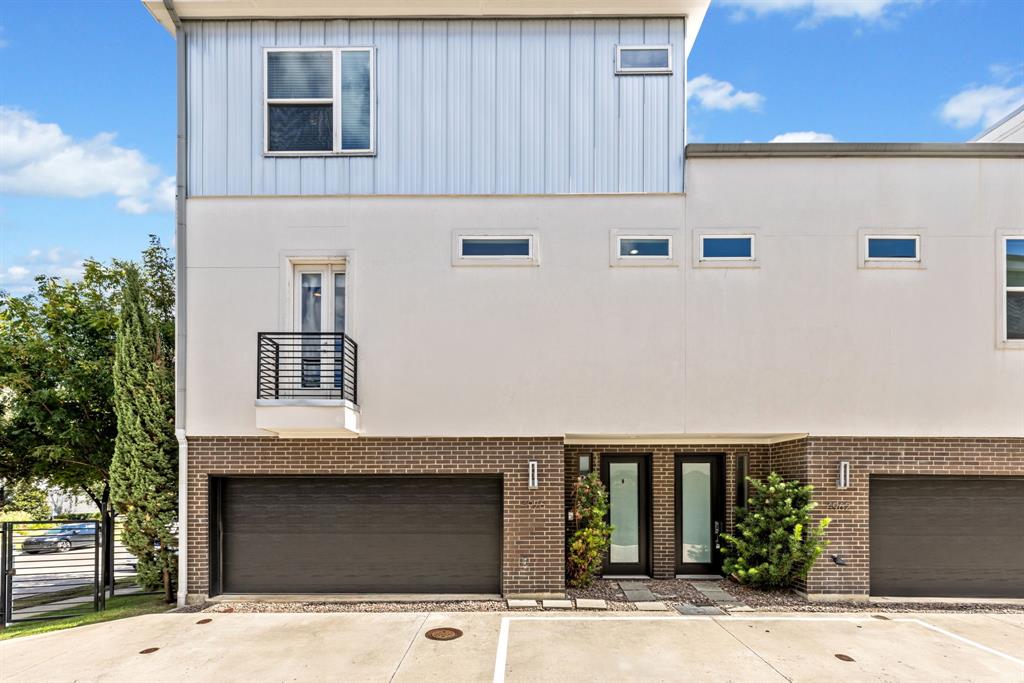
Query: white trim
{"type": "Point", "coordinates": [334, 101]}
{"type": "Point", "coordinates": [619, 69]}
{"type": "Point", "coordinates": [617, 258]}
{"type": "Point", "coordinates": [868, 237]}
{"type": "Point", "coordinates": [734, 261]}
{"type": "Point", "coordinates": [460, 236]}
{"type": "Point", "coordinates": [1004, 289]}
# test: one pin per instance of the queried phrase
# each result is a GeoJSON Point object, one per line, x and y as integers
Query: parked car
{"type": "Point", "coordinates": [61, 538]}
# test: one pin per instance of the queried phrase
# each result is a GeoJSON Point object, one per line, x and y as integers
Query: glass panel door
{"type": "Point", "coordinates": [700, 512]}
{"type": "Point", "coordinates": [624, 504]}
{"type": "Point", "coordinates": [319, 310]}
{"type": "Point", "coordinates": [695, 482]}
{"type": "Point", "coordinates": [310, 321]}
{"type": "Point", "coordinates": [626, 478]}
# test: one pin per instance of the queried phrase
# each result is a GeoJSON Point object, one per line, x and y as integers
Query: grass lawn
{"type": "Point", "coordinates": [118, 607]}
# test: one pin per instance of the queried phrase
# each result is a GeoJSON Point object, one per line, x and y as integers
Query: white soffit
{"type": "Point", "coordinates": [672, 439]}
{"type": "Point", "coordinates": [187, 10]}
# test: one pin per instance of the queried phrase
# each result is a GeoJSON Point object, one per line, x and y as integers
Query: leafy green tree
{"type": "Point", "coordinates": [25, 496]}
{"type": "Point", "coordinates": [775, 543]}
{"type": "Point", "coordinates": [592, 537]}
{"type": "Point", "coordinates": [145, 464]}
{"type": "Point", "coordinates": [57, 419]}
{"type": "Point", "coordinates": [56, 388]}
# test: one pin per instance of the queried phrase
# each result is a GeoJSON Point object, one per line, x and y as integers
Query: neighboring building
{"type": "Point", "coordinates": [502, 211]}
{"type": "Point", "coordinates": [1008, 129]}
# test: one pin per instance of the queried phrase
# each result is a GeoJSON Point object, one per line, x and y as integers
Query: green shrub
{"type": "Point", "coordinates": [592, 537]}
{"type": "Point", "coordinates": [775, 542]}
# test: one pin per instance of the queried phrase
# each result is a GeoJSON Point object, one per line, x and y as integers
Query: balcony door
{"type": "Point", "coordinates": [319, 317]}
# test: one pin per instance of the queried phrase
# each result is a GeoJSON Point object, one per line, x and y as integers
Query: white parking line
{"type": "Point", "coordinates": [501, 656]}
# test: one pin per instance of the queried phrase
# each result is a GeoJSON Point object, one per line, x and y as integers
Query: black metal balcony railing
{"type": "Point", "coordinates": [310, 365]}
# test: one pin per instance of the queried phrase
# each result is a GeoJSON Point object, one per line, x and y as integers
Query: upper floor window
{"type": "Point", "coordinates": [319, 101]}
{"type": "Point", "coordinates": [642, 248]}
{"type": "Point", "coordinates": [892, 247]}
{"type": "Point", "coordinates": [726, 247]}
{"type": "Point", "coordinates": [643, 59]}
{"type": "Point", "coordinates": [492, 248]}
{"type": "Point", "coordinates": [1013, 284]}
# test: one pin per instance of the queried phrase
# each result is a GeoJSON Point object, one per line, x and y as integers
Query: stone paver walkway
{"type": "Point", "coordinates": [712, 592]}
{"type": "Point", "coordinates": [637, 591]}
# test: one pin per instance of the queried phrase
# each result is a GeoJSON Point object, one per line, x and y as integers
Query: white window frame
{"type": "Point", "coordinates": [1002, 259]}
{"type": "Point", "coordinates": [531, 259]}
{"type": "Point", "coordinates": [619, 69]}
{"type": "Point", "coordinates": [866, 234]}
{"type": "Point", "coordinates": [334, 101]}
{"type": "Point", "coordinates": [726, 259]}
{"type": "Point", "coordinates": [327, 271]}
{"type": "Point", "coordinates": [892, 259]}
{"type": "Point", "coordinates": [616, 258]}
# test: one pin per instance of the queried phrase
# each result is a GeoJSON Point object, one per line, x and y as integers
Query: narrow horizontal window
{"type": "Point", "coordinates": [1014, 288]}
{"type": "Point", "coordinates": [643, 59]}
{"type": "Point", "coordinates": [496, 247]}
{"type": "Point", "coordinates": [726, 247]}
{"type": "Point", "coordinates": [319, 101]}
{"type": "Point", "coordinates": [645, 247]}
{"type": "Point", "coordinates": [893, 248]}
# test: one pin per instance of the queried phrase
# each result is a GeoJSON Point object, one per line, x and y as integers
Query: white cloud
{"type": "Point", "coordinates": [983, 105]}
{"type": "Point", "coordinates": [804, 136]}
{"type": "Point", "coordinates": [723, 95]}
{"type": "Point", "coordinates": [813, 12]}
{"type": "Point", "coordinates": [41, 159]}
{"type": "Point", "coordinates": [19, 278]}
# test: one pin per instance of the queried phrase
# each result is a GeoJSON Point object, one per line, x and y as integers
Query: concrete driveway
{"type": "Point", "coordinates": [509, 648]}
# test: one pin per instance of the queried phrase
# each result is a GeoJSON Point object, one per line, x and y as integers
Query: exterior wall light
{"type": "Point", "coordinates": [584, 464]}
{"type": "Point", "coordinates": [531, 474]}
{"type": "Point", "coordinates": [843, 477]}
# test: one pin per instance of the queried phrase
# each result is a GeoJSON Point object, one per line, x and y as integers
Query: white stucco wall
{"type": "Point", "coordinates": [806, 342]}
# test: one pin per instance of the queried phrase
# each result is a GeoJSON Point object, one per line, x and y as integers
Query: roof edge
{"type": "Point", "coordinates": [746, 150]}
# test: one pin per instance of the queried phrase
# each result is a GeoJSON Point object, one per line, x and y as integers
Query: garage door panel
{"type": "Point", "coordinates": [947, 536]}
{"type": "Point", "coordinates": [361, 534]}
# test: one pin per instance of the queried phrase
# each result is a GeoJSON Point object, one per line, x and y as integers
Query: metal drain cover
{"type": "Point", "coordinates": [148, 651]}
{"type": "Point", "coordinates": [845, 658]}
{"type": "Point", "coordinates": [204, 621]}
{"type": "Point", "coordinates": [443, 633]}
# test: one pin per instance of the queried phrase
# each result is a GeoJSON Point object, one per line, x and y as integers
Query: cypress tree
{"type": "Point", "coordinates": [144, 469]}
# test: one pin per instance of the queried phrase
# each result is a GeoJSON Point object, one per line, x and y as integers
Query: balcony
{"type": "Point", "coordinates": [306, 384]}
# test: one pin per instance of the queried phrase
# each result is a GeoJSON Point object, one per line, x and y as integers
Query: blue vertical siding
{"type": "Point", "coordinates": [463, 107]}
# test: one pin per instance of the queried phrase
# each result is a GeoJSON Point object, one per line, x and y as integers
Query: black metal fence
{"type": "Point", "coordinates": [53, 569]}
{"type": "Point", "coordinates": [306, 365]}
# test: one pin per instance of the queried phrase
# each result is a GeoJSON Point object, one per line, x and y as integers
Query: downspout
{"type": "Point", "coordinates": [181, 302]}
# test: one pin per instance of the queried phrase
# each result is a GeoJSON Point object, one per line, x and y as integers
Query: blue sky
{"type": "Point", "coordinates": [87, 111]}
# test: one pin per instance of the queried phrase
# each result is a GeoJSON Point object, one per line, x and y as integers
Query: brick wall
{"type": "Point", "coordinates": [848, 509]}
{"type": "Point", "coordinates": [813, 460]}
{"type": "Point", "coordinates": [534, 526]}
{"type": "Point", "coordinates": [662, 461]}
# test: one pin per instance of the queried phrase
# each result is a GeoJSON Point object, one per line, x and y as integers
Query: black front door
{"type": "Point", "coordinates": [700, 513]}
{"type": "Point", "coordinates": [627, 478]}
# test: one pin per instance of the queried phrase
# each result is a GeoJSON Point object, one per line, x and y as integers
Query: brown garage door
{"type": "Point", "coordinates": [947, 536]}
{"type": "Point", "coordinates": [356, 535]}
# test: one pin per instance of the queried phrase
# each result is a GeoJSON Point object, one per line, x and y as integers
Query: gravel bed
{"type": "Point", "coordinates": [188, 609]}
{"type": "Point", "coordinates": [604, 589]}
{"type": "Point", "coordinates": [600, 589]}
{"type": "Point", "coordinates": [440, 606]}
{"type": "Point", "coordinates": [786, 600]}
